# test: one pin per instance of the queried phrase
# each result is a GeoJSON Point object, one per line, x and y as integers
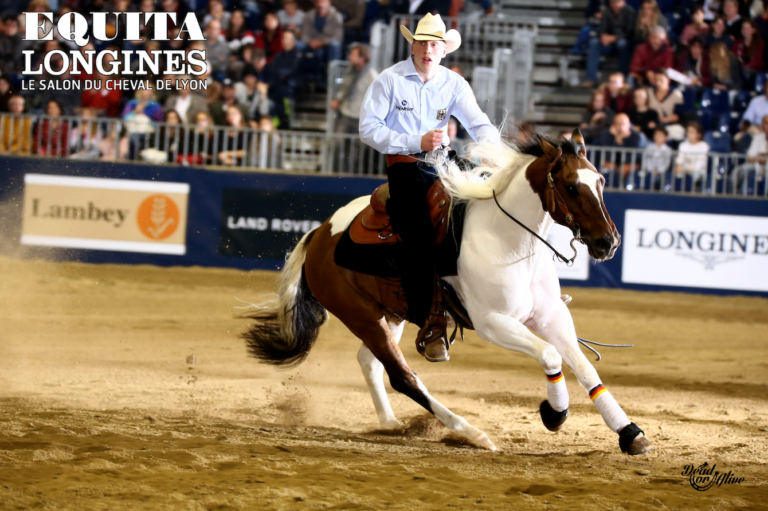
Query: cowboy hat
{"type": "Point", "coordinates": [432, 28]}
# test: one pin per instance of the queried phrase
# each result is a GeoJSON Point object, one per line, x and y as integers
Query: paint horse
{"type": "Point", "coordinates": [506, 280]}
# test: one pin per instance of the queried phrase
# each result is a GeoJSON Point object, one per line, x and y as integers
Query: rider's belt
{"type": "Point", "coordinates": [402, 158]}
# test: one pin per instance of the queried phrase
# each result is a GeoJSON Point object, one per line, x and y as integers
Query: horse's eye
{"type": "Point", "coordinates": [572, 189]}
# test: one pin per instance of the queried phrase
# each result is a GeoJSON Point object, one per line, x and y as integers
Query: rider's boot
{"type": "Point", "coordinates": [432, 341]}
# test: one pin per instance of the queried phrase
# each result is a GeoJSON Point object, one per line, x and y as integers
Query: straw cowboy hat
{"type": "Point", "coordinates": [432, 28]}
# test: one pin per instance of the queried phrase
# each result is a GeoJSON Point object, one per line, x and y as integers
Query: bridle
{"type": "Point", "coordinates": [553, 199]}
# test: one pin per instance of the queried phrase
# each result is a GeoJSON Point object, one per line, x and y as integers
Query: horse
{"type": "Point", "coordinates": [506, 281]}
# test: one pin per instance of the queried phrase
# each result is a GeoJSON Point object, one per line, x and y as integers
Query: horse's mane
{"type": "Point", "coordinates": [495, 168]}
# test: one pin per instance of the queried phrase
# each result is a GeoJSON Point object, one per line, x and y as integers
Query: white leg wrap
{"type": "Point", "coordinates": [612, 413]}
{"type": "Point", "coordinates": [557, 392]}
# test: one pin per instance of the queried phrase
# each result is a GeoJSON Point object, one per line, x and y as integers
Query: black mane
{"type": "Point", "coordinates": [533, 145]}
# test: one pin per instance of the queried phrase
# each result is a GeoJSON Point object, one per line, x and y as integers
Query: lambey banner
{"type": "Point", "coordinates": [105, 214]}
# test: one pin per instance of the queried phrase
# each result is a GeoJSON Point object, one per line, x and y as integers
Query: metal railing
{"type": "Point", "coordinates": [162, 143]}
{"type": "Point", "coordinates": [717, 174]}
{"type": "Point", "coordinates": [636, 170]}
{"type": "Point", "coordinates": [382, 55]}
{"type": "Point", "coordinates": [337, 70]}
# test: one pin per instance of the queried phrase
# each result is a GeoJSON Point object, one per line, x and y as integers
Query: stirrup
{"type": "Point", "coordinates": [434, 328]}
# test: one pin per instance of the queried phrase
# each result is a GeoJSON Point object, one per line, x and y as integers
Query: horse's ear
{"type": "Point", "coordinates": [550, 150]}
{"type": "Point", "coordinates": [578, 139]}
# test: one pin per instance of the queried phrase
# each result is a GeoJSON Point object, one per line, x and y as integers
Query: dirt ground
{"type": "Point", "coordinates": [128, 387]}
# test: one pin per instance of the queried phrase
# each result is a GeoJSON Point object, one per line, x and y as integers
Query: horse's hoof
{"type": "Point", "coordinates": [552, 419]}
{"type": "Point", "coordinates": [393, 425]}
{"type": "Point", "coordinates": [484, 442]}
{"type": "Point", "coordinates": [632, 440]}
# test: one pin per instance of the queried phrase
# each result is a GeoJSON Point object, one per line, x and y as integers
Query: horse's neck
{"type": "Point", "coordinates": [520, 201]}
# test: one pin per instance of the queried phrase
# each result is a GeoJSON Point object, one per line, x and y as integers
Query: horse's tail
{"type": "Point", "coordinates": [283, 335]}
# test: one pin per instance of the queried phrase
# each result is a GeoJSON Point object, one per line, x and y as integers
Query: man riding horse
{"type": "Point", "coordinates": [403, 116]}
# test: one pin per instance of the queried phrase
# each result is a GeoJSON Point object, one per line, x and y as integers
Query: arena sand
{"type": "Point", "coordinates": [128, 388]}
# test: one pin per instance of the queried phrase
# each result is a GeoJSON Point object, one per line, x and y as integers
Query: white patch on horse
{"type": "Point", "coordinates": [589, 177]}
{"type": "Point", "coordinates": [344, 216]}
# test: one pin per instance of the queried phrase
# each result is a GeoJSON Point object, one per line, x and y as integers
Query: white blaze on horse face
{"type": "Point", "coordinates": [590, 178]}
{"type": "Point", "coordinates": [344, 216]}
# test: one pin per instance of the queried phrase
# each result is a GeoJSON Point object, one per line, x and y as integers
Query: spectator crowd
{"type": "Point", "coordinates": [687, 76]}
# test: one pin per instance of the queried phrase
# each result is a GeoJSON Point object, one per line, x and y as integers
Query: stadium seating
{"type": "Point", "coordinates": [718, 142]}
{"type": "Point", "coordinates": [723, 122]}
{"type": "Point", "coordinates": [742, 99]}
{"type": "Point", "coordinates": [760, 79]}
{"type": "Point", "coordinates": [715, 100]}
{"type": "Point", "coordinates": [705, 119]}
{"type": "Point", "coordinates": [733, 122]}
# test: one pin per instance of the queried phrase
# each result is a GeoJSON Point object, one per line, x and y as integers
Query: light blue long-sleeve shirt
{"type": "Point", "coordinates": [399, 109]}
{"type": "Point", "coordinates": [757, 109]}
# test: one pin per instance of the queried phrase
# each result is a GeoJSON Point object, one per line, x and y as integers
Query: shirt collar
{"type": "Point", "coordinates": [410, 70]}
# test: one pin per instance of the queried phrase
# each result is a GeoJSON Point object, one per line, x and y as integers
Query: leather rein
{"type": "Point", "coordinates": [553, 199]}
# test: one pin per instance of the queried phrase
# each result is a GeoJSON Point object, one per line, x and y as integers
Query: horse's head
{"type": "Point", "coordinates": [571, 190]}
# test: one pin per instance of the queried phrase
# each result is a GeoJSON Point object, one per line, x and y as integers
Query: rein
{"type": "Point", "coordinates": [552, 196]}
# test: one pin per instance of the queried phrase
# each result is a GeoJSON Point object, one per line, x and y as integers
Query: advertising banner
{"type": "Point", "coordinates": [267, 224]}
{"type": "Point", "coordinates": [560, 237]}
{"type": "Point", "coordinates": [105, 214]}
{"type": "Point", "coordinates": [695, 250]}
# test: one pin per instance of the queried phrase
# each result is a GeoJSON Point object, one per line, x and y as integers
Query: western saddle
{"type": "Point", "coordinates": [372, 227]}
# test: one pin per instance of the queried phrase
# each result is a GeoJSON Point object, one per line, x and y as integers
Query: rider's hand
{"type": "Point", "coordinates": [431, 140]}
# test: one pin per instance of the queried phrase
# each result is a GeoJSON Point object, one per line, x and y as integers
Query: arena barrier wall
{"type": "Point", "coordinates": [184, 216]}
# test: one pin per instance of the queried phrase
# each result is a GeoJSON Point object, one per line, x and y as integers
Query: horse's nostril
{"type": "Point", "coordinates": [604, 244]}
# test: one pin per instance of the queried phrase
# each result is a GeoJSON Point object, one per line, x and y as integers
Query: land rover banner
{"type": "Point", "coordinates": [105, 214]}
{"type": "Point", "coordinates": [695, 250]}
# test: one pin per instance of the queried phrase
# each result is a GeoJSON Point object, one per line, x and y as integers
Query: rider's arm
{"type": "Point", "coordinates": [373, 128]}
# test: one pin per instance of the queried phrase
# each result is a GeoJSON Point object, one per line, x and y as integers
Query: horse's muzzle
{"type": "Point", "coordinates": [604, 248]}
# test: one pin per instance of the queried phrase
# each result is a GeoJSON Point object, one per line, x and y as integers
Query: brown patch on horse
{"type": "Point", "coordinates": [372, 227]}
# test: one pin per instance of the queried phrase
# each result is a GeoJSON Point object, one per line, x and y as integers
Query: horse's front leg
{"type": "Point", "coordinates": [555, 324]}
{"type": "Point", "coordinates": [508, 332]}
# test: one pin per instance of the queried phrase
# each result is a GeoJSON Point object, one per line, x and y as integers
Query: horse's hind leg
{"type": "Point", "coordinates": [373, 371]}
{"type": "Point", "coordinates": [378, 338]}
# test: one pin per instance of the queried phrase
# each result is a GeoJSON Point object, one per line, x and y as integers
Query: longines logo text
{"type": "Point", "coordinates": [706, 248]}
{"type": "Point", "coordinates": [666, 239]}
{"type": "Point", "coordinates": [704, 477]}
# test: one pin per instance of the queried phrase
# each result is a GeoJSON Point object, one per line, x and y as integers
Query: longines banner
{"type": "Point", "coordinates": [695, 250]}
{"type": "Point", "coordinates": [105, 214]}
